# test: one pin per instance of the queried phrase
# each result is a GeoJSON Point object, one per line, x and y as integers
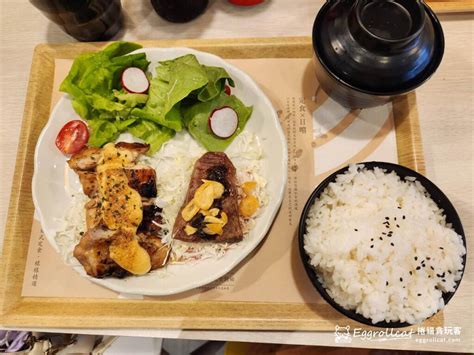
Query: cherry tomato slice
{"type": "Point", "coordinates": [246, 2]}
{"type": "Point", "coordinates": [227, 89]}
{"type": "Point", "coordinates": [72, 137]}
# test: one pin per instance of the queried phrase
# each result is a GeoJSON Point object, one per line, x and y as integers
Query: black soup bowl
{"type": "Point", "coordinates": [370, 51]}
{"type": "Point", "coordinates": [436, 195]}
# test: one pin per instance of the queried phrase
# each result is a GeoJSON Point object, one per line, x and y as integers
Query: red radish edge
{"type": "Point", "coordinates": [134, 80]}
{"type": "Point", "coordinates": [227, 90]}
{"type": "Point", "coordinates": [223, 122]}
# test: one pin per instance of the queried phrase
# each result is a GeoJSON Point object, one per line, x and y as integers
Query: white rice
{"type": "Point", "coordinates": [362, 269]}
{"type": "Point", "coordinates": [174, 164]}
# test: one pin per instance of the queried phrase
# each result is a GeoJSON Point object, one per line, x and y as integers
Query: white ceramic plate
{"type": "Point", "coordinates": [53, 183]}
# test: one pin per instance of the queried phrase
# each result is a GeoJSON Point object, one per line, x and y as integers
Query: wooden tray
{"type": "Point", "coordinates": [442, 6]}
{"type": "Point", "coordinates": [16, 311]}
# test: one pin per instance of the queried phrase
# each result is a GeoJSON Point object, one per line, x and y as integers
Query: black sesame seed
{"type": "Point", "coordinates": [416, 258]}
{"type": "Point", "coordinates": [81, 233]}
{"type": "Point", "coordinates": [401, 279]}
{"type": "Point", "coordinates": [449, 271]}
{"type": "Point", "coordinates": [384, 233]}
{"type": "Point", "coordinates": [411, 273]}
{"type": "Point", "coordinates": [398, 226]}
{"type": "Point", "coordinates": [419, 294]}
{"type": "Point", "coordinates": [441, 248]}
{"type": "Point", "coordinates": [443, 280]}
{"type": "Point", "coordinates": [399, 207]}
{"type": "Point", "coordinates": [403, 217]}
{"type": "Point", "coordinates": [418, 268]}
{"type": "Point", "coordinates": [392, 244]}
{"type": "Point", "coordinates": [436, 288]}
{"type": "Point", "coordinates": [371, 246]}
{"type": "Point", "coordinates": [386, 218]}
{"type": "Point", "coordinates": [371, 239]}
{"type": "Point", "coordinates": [356, 230]}
{"type": "Point", "coordinates": [394, 218]}
{"type": "Point", "coordinates": [428, 258]}
{"type": "Point", "coordinates": [381, 238]}
{"type": "Point", "coordinates": [423, 261]}
{"type": "Point", "coordinates": [386, 283]}
{"type": "Point", "coordinates": [429, 276]}
{"type": "Point", "coordinates": [386, 226]}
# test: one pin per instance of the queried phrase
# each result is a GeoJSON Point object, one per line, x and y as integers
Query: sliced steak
{"type": "Point", "coordinates": [218, 167]}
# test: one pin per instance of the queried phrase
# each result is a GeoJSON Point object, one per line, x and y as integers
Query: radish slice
{"type": "Point", "coordinates": [135, 81]}
{"type": "Point", "coordinates": [223, 122]}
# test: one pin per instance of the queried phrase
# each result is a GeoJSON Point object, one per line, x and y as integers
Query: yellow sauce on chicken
{"type": "Point", "coordinates": [121, 209]}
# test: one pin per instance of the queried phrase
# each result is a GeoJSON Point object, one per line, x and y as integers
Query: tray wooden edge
{"type": "Point", "coordinates": [12, 265]}
{"type": "Point", "coordinates": [408, 133]}
{"type": "Point", "coordinates": [442, 7]}
{"type": "Point", "coordinates": [17, 311]}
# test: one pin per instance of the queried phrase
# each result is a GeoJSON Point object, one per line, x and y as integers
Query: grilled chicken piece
{"type": "Point", "coordinates": [135, 148]}
{"type": "Point", "coordinates": [158, 251]}
{"type": "Point", "coordinates": [93, 217]}
{"type": "Point", "coordinates": [88, 180]}
{"type": "Point", "coordinates": [93, 248]}
{"type": "Point", "coordinates": [148, 235]}
{"type": "Point", "coordinates": [93, 254]}
{"type": "Point", "coordinates": [142, 179]}
{"type": "Point", "coordinates": [152, 219]}
{"type": "Point", "coordinates": [116, 184]}
{"type": "Point", "coordinates": [86, 159]}
{"type": "Point", "coordinates": [214, 166]}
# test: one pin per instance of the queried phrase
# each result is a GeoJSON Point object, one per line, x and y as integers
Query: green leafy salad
{"type": "Point", "coordinates": [183, 94]}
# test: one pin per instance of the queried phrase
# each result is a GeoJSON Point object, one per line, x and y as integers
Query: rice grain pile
{"type": "Point", "coordinates": [382, 247]}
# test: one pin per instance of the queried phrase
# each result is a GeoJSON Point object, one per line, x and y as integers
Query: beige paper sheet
{"type": "Point", "coordinates": [322, 136]}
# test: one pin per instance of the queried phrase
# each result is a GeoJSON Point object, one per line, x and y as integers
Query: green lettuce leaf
{"type": "Point", "coordinates": [179, 79]}
{"type": "Point", "coordinates": [216, 82]}
{"type": "Point", "coordinates": [154, 108]}
{"type": "Point", "coordinates": [196, 120]}
{"type": "Point", "coordinates": [102, 132]}
{"type": "Point", "coordinates": [151, 133]}
{"type": "Point", "coordinates": [129, 99]}
{"type": "Point", "coordinates": [94, 76]}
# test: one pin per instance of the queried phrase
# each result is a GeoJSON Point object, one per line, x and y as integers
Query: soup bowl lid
{"type": "Point", "coordinates": [381, 47]}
